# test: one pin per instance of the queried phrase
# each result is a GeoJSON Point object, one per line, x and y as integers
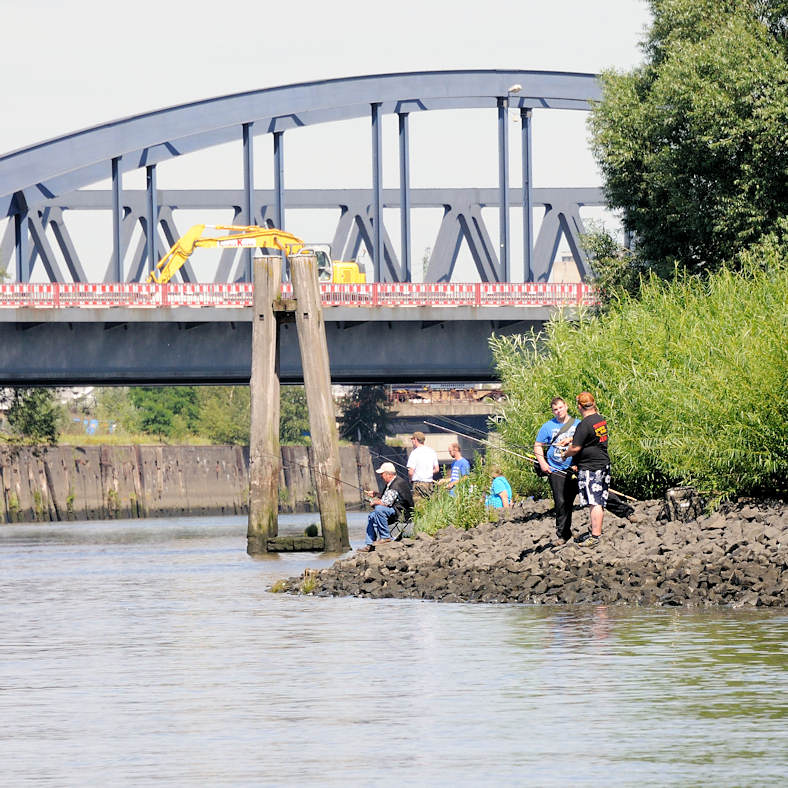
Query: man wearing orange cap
{"type": "Point", "coordinates": [589, 446]}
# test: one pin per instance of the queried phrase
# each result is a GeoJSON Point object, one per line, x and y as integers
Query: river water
{"type": "Point", "coordinates": [142, 652]}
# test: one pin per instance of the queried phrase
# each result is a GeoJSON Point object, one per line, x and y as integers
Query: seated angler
{"type": "Point", "coordinates": [395, 500]}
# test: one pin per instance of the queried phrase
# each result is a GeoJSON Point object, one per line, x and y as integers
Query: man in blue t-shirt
{"type": "Point", "coordinates": [550, 447]}
{"type": "Point", "coordinates": [459, 468]}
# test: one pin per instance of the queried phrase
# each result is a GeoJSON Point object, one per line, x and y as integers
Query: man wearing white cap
{"type": "Point", "coordinates": [387, 507]}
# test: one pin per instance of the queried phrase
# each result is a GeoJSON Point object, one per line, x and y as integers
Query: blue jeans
{"type": "Point", "coordinates": [378, 523]}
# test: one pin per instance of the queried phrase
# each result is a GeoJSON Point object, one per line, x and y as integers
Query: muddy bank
{"type": "Point", "coordinates": [737, 556]}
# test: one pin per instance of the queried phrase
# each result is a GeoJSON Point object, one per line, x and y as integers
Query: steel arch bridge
{"type": "Point", "coordinates": [41, 184]}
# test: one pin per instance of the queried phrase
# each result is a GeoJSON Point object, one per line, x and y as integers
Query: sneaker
{"type": "Point", "coordinates": [590, 541]}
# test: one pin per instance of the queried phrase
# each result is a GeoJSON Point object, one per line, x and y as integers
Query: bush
{"type": "Point", "coordinates": [693, 378]}
{"type": "Point", "coordinates": [465, 509]}
{"type": "Point", "coordinates": [34, 414]}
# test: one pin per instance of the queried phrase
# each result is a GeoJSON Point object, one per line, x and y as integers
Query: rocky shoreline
{"type": "Point", "coordinates": [736, 556]}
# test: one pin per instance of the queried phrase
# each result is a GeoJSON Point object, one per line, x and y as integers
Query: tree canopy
{"type": "Point", "coordinates": [366, 417]}
{"type": "Point", "coordinates": [693, 144]}
{"type": "Point", "coordinates": [166, 411]}
{"type": "Point", "coordinates": [293, 416]}
{"type": "Point", "coordinates": [34, 414]}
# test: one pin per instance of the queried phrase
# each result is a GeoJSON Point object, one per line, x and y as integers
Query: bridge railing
{"type": "Point", "coordinates": [240, 294]}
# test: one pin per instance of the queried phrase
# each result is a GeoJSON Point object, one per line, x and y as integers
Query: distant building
{"type": "Point", "coordinates": [565, 269]}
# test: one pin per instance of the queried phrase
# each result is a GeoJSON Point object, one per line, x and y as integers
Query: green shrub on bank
{"type": "Point", "coordinates": [465, 509]}
{"type": "Point", "coordinates": [692, 376]}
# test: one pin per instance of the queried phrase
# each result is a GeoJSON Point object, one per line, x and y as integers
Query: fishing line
{"type": "Point", "coordinates": [476, 430]}
{"type": "Point", "coordinates": [309, 465]}
{"type": "Point", "coordinates": [528, 457]}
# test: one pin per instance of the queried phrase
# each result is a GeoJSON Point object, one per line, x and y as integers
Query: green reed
{"type": "Point", "coordinates": [464, 509]}
{"type": "Point", "coordinates": [692, 376]}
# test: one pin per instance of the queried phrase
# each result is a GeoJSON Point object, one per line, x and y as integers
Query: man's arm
{"type": "Point", "coordinates": [578, 440]}
{"type": "Point", "coordinates": [389, 497]}
{"type": "Point", "coordinates": [539, 454]}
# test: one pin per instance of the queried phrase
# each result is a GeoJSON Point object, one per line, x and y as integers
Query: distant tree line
{"type": "Point", "coordinates": [218, 414]}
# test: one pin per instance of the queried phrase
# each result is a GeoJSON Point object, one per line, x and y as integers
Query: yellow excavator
{"type": "Point", "coordinates": [237, 236]}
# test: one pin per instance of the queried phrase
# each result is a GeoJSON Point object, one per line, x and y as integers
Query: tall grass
{"type": "Point", "coordinates": [464, 509]}
{"type": "Point", "coordinates": [692, 376]}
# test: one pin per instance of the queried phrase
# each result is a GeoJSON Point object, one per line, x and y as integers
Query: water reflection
{"type": "Point", "coordinates": [134, 652]}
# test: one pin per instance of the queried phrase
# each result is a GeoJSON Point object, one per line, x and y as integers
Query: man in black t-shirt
{"type": "Point", "coordinates": [589, 446]}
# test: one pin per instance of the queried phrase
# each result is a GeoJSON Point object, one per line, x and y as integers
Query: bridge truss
{"type": "Point", "coordinates": [42, 184]}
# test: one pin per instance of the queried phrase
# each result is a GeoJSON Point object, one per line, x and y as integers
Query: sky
{"type": "Point", "coordinates": [73, 65]}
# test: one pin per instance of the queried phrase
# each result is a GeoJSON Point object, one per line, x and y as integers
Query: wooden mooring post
{"type": "Point", "coordinates": [265, 458]}
{"type": "Point", "coordinates": [317, 382]}
{"type": "Point", "coordinates": [265, 461]}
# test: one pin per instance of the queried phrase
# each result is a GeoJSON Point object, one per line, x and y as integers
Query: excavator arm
{"type": "Point", "coordinates": [236, 237]}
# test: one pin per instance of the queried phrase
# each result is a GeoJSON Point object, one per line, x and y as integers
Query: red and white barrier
{"type": "Point", "coordinates": [241, 294]}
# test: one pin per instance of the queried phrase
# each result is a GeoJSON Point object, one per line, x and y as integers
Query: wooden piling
{"type": "Point", "coordinates": [317, 382]}
{"type": "Point", "coordinates": [265, 461]}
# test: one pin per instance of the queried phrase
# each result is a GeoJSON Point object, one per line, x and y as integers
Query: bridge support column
{"type": "Point", "coordinates": [317, 382]}
{"type": "Point", "coordinates": [265, 459]}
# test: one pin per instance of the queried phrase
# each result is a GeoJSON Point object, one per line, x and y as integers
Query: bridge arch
{"type": "Point", "coordinates": [39, 183]}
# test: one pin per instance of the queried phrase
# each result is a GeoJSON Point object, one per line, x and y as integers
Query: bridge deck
{"type": "Point", "coordinates": [98, 334]}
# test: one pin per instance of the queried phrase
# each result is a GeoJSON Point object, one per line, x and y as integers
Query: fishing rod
{"type": "Point", "coordinates": [388, 459]}
{"type": "Point", "coordinates": [476, 430]}
{"type": "Point", "coordinates": [310, 465]}
{"type": "Point", "coordinates": [528, 457]}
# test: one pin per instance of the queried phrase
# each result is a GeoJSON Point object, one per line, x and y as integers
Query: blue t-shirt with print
{"type": "Point", "coordinates": [459, 468]}
{"type": "Point", "coordinates": [555, 454]}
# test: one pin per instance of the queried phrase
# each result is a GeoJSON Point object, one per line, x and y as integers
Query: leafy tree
{"type": "Point", "coordinates": [166, 411]}
{"type": "Point", "coordinates": [224, 414]}
{"type": "Point", "coordinates": [34, 414]}
{"type": "Point", "coordinates": [293, 416]}
{"type": "Point", "coordinates": [693, 144]}
{"type": "Point", "coordinates": [366, 417]}
{"type": "Point", "coordinates": [680, 373]}
{"type": "Point", "coordinates": [616, 269]}
{"type": "Point", "coordinates": [113, 404]}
